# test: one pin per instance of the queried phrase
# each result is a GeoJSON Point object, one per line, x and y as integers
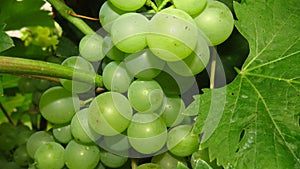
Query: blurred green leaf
{"type": "Point", "coordinates": [17, 14]}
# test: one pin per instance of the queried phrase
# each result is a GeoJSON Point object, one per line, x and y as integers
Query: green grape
{"type": "Point", "coordinates": [79, 65]}
{"type": "Point", "coordinates": [192, 7]}
{"type": "Point", "coordinates": [110, 113]}
{"type": "Point", "coordinates": [90, 47]}
{"type": "Point", "coordinates": [112, 160]}
{"type": "Point", "coordinates": [62, 133]}
{"type": "Point", "coordinates": [8, 136]}
{"type": "Point", "coordinates": [80, 129]}
{"type": "Point", "coordinates": [128, 5]}
{"type": "Point", "coordinates": [118, 144]}
{"type": "Point", "coordinates": [216, 22]}
{"type": "Point", "coordinates": [194, 63]}
{"type": "Point", "coordinates": [203, 156]}
{"type": "Point", "coordinates": [80, 156]}
{"type": "Point", "coordinates": [110, 50]}
{"type": "Point", "coordinates": [41, 84]}
{"type": "Point", "coordinates": [49, 155]}
{"type": "Point", "coordinates": [108, 14]}
{"type": "Point", "coordinates": [147, 133]}
{"type": "Point", "coordinates": [26, 85]}
{"type": "Point", "coordinates": [21, 156]}
{"type": "Point", "coordinates": [172, 111]}
{"type": "Point", "coordinates": [172, 34]}
{"type": "Point", "coordinates": [144, 64]}
{"type": "Point", "coordinates": [181, 142]}
{"type": "Point", "coordinates": [132, 37]}
{"type": "Point", "coordinates": [115, 77]}
{"type": "Point", "coordinates": [24, 133]}
{"type": "Point", "coordinates": [145, 96]}
{"type": "Point", "coordinates": [167, 160]}
{"type": "Point", "coordinates": [57, 105]}
{"type": "Point", "coordinates": [149, 166]}
{"type": "Point", "coordinates": [36, 140]}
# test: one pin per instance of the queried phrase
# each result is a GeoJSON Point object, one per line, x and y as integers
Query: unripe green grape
{"type": "Point", "coordinates": [181, 142]}
{"type": "Point", "coordinates": [8, 136]}
{"type": "Point", "coordinates": [118, 144]}
{"type": "Point", "coordinates": [21, 156]}
{"type": "Point", "coordinates": [110, 50]}
{"type": "Point", "coordinates": [194, 63]}
{"type": "Point", "coordinates": [168, 84]}
{"type": "Point", "coordinates": [132, 37]}
{"type": "Point", "coordinates": [62, 133]}
{"type": "Point", "coordinates": [147, 133]}
{"type": "Point", "coordinates": [172, 34]}
{"type": "Point", "coordinates": [144, 64]}
{"type": "Point", "coordinates": [112, 160]}
{"type": "Point", "coordinates": [49, 155]}
{"type": "Point", "coordinates": [216, 22]}
{"type": "Point", "coordinates": [110, 113]}
{"type": "Point", "coordinates": [128, 5]}
{"type": "Point", "coordinates": [90, 47]}
{"type": "Point", "coordinates": [108, 14]}
{"type": "Point", "coordinates": [36, 140]}
{"type": "Point", "coordinates": [79, 65]}
{"type": "Point", "coordinates": [24, 133]}
{"type": "Point", "coordinates": [167, 160]}
{"type": "Point", "coordinates": [145, 96]}
{"type": "Point", "coordinates": [80, 128]}
{"type": "Point", "coordinates": [149, 166]}
{"type": "Point", "coordinates": [26, 85]}
{"type": "Point", "coordinates": [80, 156]}
{"type": "Point", "coordinates": [192, 7]}
{"type": "Point", "coordinates": [172, 110]}
{"type": "Point", "coordinates": [41, 84]}
{"type": "Point", "coordinates": [58, 105]}
{"type": "Point", "coordinates": [115, 77]}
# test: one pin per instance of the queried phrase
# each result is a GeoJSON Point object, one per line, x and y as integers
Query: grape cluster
{"type": "Point", "coordinates": [147, 61]}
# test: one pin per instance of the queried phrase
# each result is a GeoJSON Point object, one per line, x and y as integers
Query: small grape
{"type": "Point", "coordinates": [36, 140]}
{"type": "Point", "coordinates": [216, 22]}
{"type": "Point", "coordinates": [62, 133]}
{"type": "Point", "coordinates": [57, 105]}
{"type": "Point", "coordinates": [80, 156]}
{"type": "Point", "coordinates": [145, 96]}
{"type": "Point", "coordinates": [181, 142]}
{"type": "Point", "coordinates": [90, 47]}
{"type": "Point", "coordinates": [79, 65]}
{"type": "Point", "coordinates": [49, 155]}
{"type": "Point", "coordinates": [147, 133]}
{"type": "Point", "coordinates": [111, 160]}
{"type": "Point", "coordinates": [132, 37]}
{"type": "Point", "coordinates": [115, 77]}
{"type": "Point", "coordinates": [110, 113]}
{"type": "Point", "coordinates": [108, 14]}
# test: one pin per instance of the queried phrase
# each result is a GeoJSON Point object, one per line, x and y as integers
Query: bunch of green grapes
{"type": "Point", "coordinates": [148, 61]}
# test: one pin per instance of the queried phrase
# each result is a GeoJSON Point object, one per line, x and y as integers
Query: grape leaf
{"type": "Point", "coordinates": [254, 121]}
{"type": "Point", "coordinates": [5, 41]}
{"type": "Point", "coordinates": [17, 14]}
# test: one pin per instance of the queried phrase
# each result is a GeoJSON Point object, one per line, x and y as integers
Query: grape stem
{"type": "Point", "coordinates": [163, 4]}
{"type": "Point", "coordinates": [17, 66]}
{"type": "Point", "coordinates": [7, 115]}
{"type": "Point", "coordinates": [152, 5]}
{"type": "Point", "coordinates": [65, 11]}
